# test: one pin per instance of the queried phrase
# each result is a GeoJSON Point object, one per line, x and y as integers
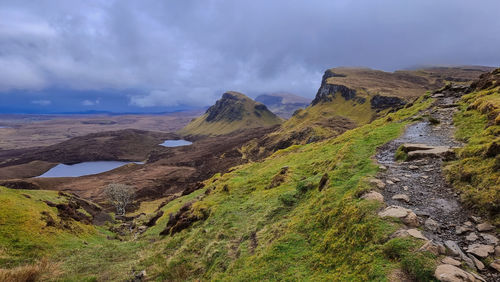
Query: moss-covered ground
{"type": "Point", "coordinates": [476, 173]}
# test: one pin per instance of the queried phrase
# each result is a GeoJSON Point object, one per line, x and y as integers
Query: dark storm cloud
{"type": "Point", "coordinates": [188, 52]}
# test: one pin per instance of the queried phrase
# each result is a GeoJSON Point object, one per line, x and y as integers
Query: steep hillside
{"type": "Point", "coordinates": [283, 104]}
{"type": "Point", "coordinates": [233, 112]}
{"type": "Point", "coordinates": [351, 97]}
{"type": "Point", "coordinates": [476, 173]}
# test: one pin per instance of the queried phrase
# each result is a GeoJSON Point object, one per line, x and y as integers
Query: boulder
{"type": "Point", "coordinates": [462, 229]}
{"type": "Point", "coordinates": [415, 233]}
{"type": "Point", "coordinates": [480, 250]}
{"type": "Point", "coordinates": [451, 273]}
{"type": "Point", "coordinates": [455, 250]}
{"type": "Point", "coordinates": [471, 237]}
{"type": "Point", "coordinates": [377, 182]}
{"type": "Point", "coordinates": [433, 248]}
{"type": "Point", "coordinates": [401, 197]}
{"type": "Point", "coordinates": [490, 238]}
{"type": "Point", "coordinates": [496, 265]}
{"type": "Point", "coordinates": [411, 219]}
{"type": "Point", "coordinates": [497, 251]}
{"type": "Point", "coordinates": [450, 260]}
{"type": "Point", "coordinates": [486, 226]}
{"type": "Point", "coordinates": [406, 215]}
{"type": "Point", "coordinates": [394, 211]}
{"type": "Point", "coordinates": [444, 152]}
{"type": "Point", "coordinates": [374, 196]}
{"type": "Point", "coordinates": [479, 264]}
{"type": "Point", "coordinates": [432, 225]}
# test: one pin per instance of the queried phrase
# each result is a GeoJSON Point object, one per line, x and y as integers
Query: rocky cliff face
{"type": "Point", "coordinates": [379, 102]}
{"type": "Point", "coordinates": [327, 91]}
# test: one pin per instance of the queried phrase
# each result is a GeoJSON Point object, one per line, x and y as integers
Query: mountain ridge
{"type": "Point", "coordinates": [233, 112]}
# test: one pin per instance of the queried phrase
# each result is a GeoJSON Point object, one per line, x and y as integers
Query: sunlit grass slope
{"type": "Point", "coordinates": [292, 231]}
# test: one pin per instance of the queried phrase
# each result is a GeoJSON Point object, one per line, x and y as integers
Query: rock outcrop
{"type": "Point", "coordinates": [379, 102]}
{"type": "Point", "coordinates": [233, 112]}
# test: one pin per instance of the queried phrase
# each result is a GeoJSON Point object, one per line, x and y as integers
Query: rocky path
{"type": "Point", "coordinates": [415, 191]}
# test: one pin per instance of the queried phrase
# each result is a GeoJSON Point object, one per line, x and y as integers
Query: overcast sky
{"type": "Point", "coordinates": [153, 55]}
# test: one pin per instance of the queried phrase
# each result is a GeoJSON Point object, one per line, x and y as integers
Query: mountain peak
{"type": "Point", "coordinates": [234, 111]}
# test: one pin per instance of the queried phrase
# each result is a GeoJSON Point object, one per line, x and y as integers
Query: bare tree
{"type": "Point", "coordinates": [120, 195]}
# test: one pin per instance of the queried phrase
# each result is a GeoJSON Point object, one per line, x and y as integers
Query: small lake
{"type": "Point", "coordinates": [85, 168]}
{"type": "Point", "coordinates": [176, 143]}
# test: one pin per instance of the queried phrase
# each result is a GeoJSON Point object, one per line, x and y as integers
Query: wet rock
{"type": "Point", "coordinates": [413, 167]}
{"type": "Point", "coordinates": [480, 250]}
{"type": "Point", "coordinates": [495, 265]}
{"type": "Point", "coordinates": [471, 237]}
{"type": "Point", "coordinates": [450, 260]}
{"type": "Point", "coordinates": [479, 265]}
{"type": "Point", "coordinates": [373, 195]}
{"type": "Point", "coordinates": [401, 197]}
{"type": "Point", "coordinates": [389, 182]}
{"type": "Point", "coordinates": [378, 183]}
{"type": "Point", "coordinates": [486, 226]}
{"type": "Point", "coordinates": [395, 179]}
{"type": "Point", "coordinates": [455, 250]}
{"type": "Point", "coordinates": [450, 273]}
{"type": "Point", "coordinates": [432, 225]}
{"type": "Point", "coordinates": [489, 238]}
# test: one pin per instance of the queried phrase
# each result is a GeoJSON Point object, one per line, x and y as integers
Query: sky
{"type": "Point", "coordinates": [154, 56]}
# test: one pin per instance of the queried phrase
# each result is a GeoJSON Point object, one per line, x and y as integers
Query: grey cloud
{"type": "Point", "coordinates": [188, 52]}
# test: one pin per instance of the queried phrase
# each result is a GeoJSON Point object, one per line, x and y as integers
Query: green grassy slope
{"type": "Point", "coordinates": [476, 173]}
{"type": "Point", "coordinates": [290, 232]}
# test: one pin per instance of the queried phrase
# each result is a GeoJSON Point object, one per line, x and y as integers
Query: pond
{"type": "Point", "coordinates": [176, 143]}
{"type": "Point", "coordinates": [85, 168]}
